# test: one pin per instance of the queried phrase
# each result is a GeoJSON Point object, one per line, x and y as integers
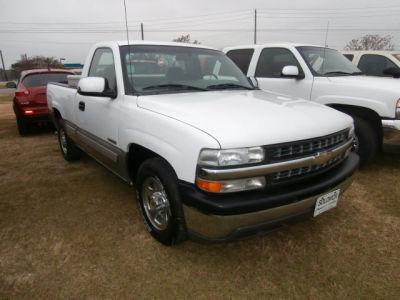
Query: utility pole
{"type": "Point", "coordinates": [141, 30]}
{"type": "Point", "coordinates": [4, 68]}
{"type": "Point", "coordinates": [326, 35]}
{"type": "Point", "coordinates": [255, 26]}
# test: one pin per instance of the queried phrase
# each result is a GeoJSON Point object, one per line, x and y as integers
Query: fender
{"type": "Point", "coordinates": [163, 136]}
{"type": "Point", "coordinates": [379, 107]}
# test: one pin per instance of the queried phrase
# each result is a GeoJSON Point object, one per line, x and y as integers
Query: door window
{"type": "Point", "coordinates": [272, 61]}
{"type": "Point", "coordinates": [373, 64]}
{"type": "Point", "coordinates": [242, 58]}
{"type": "Point", "coordinates": [103, 66]}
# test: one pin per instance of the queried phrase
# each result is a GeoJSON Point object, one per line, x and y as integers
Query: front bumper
{"type": "Point", "coordinates": [391, 129]}
{"type": "Point", "coordinates": [210, 218]}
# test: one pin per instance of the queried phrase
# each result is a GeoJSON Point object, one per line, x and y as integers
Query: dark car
{"type": "Point", "coordinates": [30, 101]}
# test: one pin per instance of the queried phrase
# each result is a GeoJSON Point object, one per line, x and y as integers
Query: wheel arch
{"type": "Point", "coordinates": [137, 154]}
{"type": "Point", "coordinates": [363, 113]}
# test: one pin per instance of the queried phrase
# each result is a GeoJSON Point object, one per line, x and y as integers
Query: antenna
{"type": "Point", "coordinates": [129, 46]}
{"type": "Point", "coordinates": [325, 45]}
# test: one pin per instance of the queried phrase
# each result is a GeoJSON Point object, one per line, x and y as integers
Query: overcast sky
{"type": "Point", "coordinates": [67, 28]}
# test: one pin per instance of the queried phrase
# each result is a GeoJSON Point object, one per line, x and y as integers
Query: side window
{"type": "Point", "coordinates": [349, 56]}
{"type": "Point", "coordinates": [103, 66]}
{"type": "Point", "coordinates": [242, 58]}
{"type": "Point", "coordinates": [373, 64]}
{"type": "Point", "coordinates": [272, 61]}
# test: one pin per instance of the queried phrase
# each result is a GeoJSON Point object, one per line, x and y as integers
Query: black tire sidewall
{"type": "Point", "coordinates": [367, 140]}
{"type": "Point", "coordinates": [157, 167]}
{"type": "Point", "coordinates": [22, 126]}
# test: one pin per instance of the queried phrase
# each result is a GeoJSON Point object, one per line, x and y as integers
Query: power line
{"type": "Point", "coordinates": [195, 30]}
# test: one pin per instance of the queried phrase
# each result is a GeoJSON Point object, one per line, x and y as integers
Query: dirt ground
{"type": "Point", "coordinates": [72, 230]}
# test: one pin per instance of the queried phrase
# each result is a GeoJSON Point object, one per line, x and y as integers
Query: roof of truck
{"type": "Point", "coordinates": [161, 43]}
{"type": "Point", "coordinates": [284, 44]}
{"type": "Point", "coordinates": [371, 51]}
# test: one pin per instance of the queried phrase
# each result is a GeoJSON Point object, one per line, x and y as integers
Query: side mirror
{"type": "Point", "coordinates": [11, 85]}
{"type": "Point", "coordinates": [291, 72]}
{"type": "Point", "coordinates": [253, 81]}
{"type": "Point", "coordinates": [393, 71]}
{"type": "Point", "coordinates": [95, 87]}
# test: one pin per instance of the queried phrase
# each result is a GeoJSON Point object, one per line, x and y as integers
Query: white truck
{"type": "Point", "coordinates": [376, 63]}
{"type": "Point", "coordinates": [211, 156]}
{"type": "Point", "coordinates": [325, 76]}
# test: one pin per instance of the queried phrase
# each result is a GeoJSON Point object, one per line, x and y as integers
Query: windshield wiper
{"type": "Point", "coordinates": [223, 86]}
{"type": "Point", "coordinates": [174, 86]}
{"type": "Point", "coordinates": [342, 73]}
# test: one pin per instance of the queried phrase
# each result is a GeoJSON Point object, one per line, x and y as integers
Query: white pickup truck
{"type": "Point", "coordinates": [325, 76]}
{"type": "Point", "coordinates": [211, 156]}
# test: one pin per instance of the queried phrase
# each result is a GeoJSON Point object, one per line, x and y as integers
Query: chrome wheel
{"type": "Point", "coordinates": [63, 141]}
{"type": "Point", "coordinates": [156, 203]}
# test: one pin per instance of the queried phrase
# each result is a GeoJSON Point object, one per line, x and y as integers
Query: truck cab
{"type": "Point", "coordinates": [376, 63]}
{"type": "Point", "coordinates": [325, 76]}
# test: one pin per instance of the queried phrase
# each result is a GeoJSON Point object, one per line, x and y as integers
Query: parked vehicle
{"type": "Point", "coordinates": [325, 76]}
{"type": "Point", "coordinates": [376, 63]}
{"type": "Point", "coordinates": [30, 102]}
{"type": "Point", "coordinates": [212, 157]}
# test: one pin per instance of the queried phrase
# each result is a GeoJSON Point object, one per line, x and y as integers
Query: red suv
{"type": "Point", "coordinates": [30, 101]}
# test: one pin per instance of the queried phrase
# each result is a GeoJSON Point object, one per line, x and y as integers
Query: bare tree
{"type": "Point", "coordinates": [371, 42]}
{"type": "Point", "coordinates": [185, 39]}
{"type": "Point", "coordinates": [36, 62]}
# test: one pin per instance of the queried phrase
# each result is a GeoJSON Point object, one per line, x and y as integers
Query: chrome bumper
{"type": "Point", "coordinates": [207, 227]}
{"type": "Point", "coordinates": [391, 129]}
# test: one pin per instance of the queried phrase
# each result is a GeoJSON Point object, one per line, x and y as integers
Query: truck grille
{"type": "Point", "coordinates": [289, 151]}
{"type": "Point", "coordinates": [295, 150]}
{"type": "Point", "coordinates": [291, 174]}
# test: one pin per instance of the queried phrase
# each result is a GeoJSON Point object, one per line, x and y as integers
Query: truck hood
{"type": "Point", "coordinates": [248, 118]}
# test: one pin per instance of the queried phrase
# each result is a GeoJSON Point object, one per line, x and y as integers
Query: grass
{"type": "Point", "coordinates": [72, 230]}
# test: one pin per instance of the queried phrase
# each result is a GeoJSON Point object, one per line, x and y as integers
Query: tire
{"type": "Point", "coordinates": [366, 140]}
{"type": "Point", "coordinates": [69, 150]}
{"type": "Point", "coordinates": [165, 224]}
{"type": "Point", "coordinates": [23, 128]}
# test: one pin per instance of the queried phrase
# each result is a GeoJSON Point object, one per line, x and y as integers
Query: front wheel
{"type": "Point", "coordinates": [366, 140]}
{"type": "Point", "coordinates": [159, 201]}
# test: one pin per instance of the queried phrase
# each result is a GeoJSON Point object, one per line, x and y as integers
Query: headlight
{"type": "Point", "coordinates": [231, 157]}
{"type": "Point", "coordinates": [398, 109]}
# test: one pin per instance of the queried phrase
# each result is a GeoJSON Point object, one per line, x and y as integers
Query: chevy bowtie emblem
{"type": "Point", "coordinates": [322, 157]}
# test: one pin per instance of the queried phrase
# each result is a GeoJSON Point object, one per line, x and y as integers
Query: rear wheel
{"type": "Point", "coordinates": [23, 127]}
{"type": "Point", "coordinates": [159, 201]}
{"type": "Point", "coordinates": [366, 140]}
{"type": "Point", "coordinates": [69, 150]}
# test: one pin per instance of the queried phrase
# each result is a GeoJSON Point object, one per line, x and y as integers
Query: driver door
{"type": "Point", "coordinates": [97, 117]}
{"type": "Point", "coordinates": [269, 73]}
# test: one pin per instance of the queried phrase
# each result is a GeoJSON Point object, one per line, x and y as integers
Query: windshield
{"type": "Point", "coordinates": [327, 62]}
{"type": "Point", "coordinates": [43, 79]}
{"type": "Point", "coordinates": [166, 69]}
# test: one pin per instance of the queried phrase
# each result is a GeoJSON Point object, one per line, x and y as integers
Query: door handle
{"type": "Point", "coordinates": [81, 105]}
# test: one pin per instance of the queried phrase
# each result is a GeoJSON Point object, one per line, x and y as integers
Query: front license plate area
{"type": "Point", "coordinates": [326, 202]}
